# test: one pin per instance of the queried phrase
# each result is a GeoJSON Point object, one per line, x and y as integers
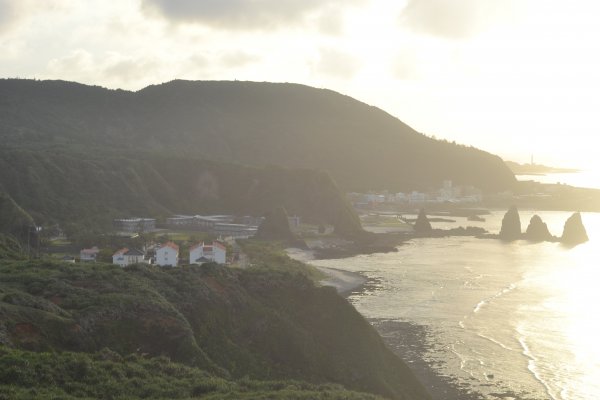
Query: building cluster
{"type": "Point", "coordinates": [448, 193]}
{"type": "Point", "coordinates": [222, 225]}
{"type": "Point", "coordinates": [168, 255]}
{"type": "Point", "coordinates": [134, 225]}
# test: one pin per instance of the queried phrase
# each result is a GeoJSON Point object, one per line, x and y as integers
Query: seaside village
{"type": "Point", "coordinates": [221, 231]}
{"type": "Point", "coordinates": [447, 194]}
{"type": "Point", "coordinates": [167, 253]}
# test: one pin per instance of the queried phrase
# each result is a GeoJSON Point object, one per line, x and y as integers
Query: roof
{"type": "Point", "coordinates": [219, 245]}
{"type": "Point", "coordinates": [121, 251]}
{"type": "Point", "coordinates": [134, 252]}
{"type": "Point", "coordinates": [208, 247]}
{"type": "Point", "coordinates": [93, 250]}
{"type": "Point", "coordinates": [68, 258]}
{"type": "Point", "coordinates": [171, 245]}
{"type": "Point", "coordinates": [194, 247]}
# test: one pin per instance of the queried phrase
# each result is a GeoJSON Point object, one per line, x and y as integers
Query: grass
{"type": "Point", "coordinates": [107, 375]}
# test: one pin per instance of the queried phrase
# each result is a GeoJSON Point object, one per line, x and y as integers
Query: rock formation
{"type": "Point", "coordinates": [511, 225]}
{"type": "Point", "coordinates": [422, 225]}
{"type": "Point", "coordinates": [574, 232]}
{"type": "Point", "coordinates": [537, 231]}
{"type": "Point", "coordinates": [276, 226]}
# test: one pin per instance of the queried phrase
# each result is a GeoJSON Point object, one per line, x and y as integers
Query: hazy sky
{"type": "Point", "coordinates": [513, 77]}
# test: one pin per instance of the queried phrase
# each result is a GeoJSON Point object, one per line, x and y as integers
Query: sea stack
{"type": "Point", "coordinates": [276, 226]}
{"type": "Point", "coordinates": [537, 231]}
{"type": "Point", "coordinates": [511, 225]}
{"type": "Point", "coordinates": [422, 224]}
{"type": "Point", "coordinates": [574, 232]}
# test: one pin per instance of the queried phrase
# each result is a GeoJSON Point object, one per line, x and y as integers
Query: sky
{"type": "Point", "coordinates": [512, 77]}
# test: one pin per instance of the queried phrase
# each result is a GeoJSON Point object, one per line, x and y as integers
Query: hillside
{"type": "Point", "coordinates": [89, 190]}
{"type": "Point", "coordinates": [263, 323]}
{"type": "Point", "coordinates": [28, 375]}
{"type": "Point", "coordinates": [362, 147]}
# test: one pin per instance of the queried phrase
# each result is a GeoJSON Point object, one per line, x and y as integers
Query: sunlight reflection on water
{"type": "Point", "coordinates": [523, 313]}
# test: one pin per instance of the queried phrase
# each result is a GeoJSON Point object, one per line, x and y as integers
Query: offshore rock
{"type": "Point", "coordinates": [422, 224]}
{"type": "Point", "coordinates": [574, 232]}
{"type": "Point", "coordinates": [511, 225]}
{"type": "Point", "coordinates": [537, 231]}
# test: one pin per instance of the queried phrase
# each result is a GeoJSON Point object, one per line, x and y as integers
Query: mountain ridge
{"type": "Point", "coordinates": [361, 146]}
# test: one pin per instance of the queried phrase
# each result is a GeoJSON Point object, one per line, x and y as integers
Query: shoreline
{"type": "Point", "coordinates": [407, 340]}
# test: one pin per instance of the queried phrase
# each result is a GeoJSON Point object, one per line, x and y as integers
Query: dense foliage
{"type": "Point", "coordinates": [267, 323]}
{"type": "Point", "coordinates": [88, 190]}
{"type": "Point", "coordinates": [362, 147]}
{"type": "Point", "coordinates": [106, 375]}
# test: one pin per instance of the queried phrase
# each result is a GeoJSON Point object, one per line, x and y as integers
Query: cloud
{"type": "Point", "coordinates": [238, 59]}
{"type": "Point", "coordinates": [242, 14]}
{"type": "Point", "coordinates": [9, 14]}
{"type": "Point", "coordinates": [113, 69]}
{"type": "Point", "coordinates": [336, 63]}
{"type": "Point", "coordinates": [454, 19]}
{"type": "Point", "coordinates": [14, 12]}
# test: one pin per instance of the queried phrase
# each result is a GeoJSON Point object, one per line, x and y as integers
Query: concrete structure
{"type": "Point", "coordinates": [125, 257]}
{"type": "Point", "coordinates": [134, 225]}
{"type": "Point", "coordinates": [89, 255]}
{"type": "Point", "coordinates": [167, 255]}
{"type": "Point", "coordinates": [202, 253]}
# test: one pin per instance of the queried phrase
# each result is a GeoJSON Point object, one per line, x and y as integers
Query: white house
{"type": "Point", "coordinates": [125, 257]}
{"type": "Point", "coordinates": [89, 254]}
{"type": "Point", "coordinates": [167, 255]}
{"type": "Point", "coordinates": [202, 253]}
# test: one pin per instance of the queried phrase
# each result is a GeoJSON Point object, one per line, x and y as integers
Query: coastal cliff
{"type": "Point", "coordinates": [264, 323]}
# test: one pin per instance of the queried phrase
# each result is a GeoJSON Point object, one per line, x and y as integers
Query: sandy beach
{"type": "Point", "coordinates": [345, 282]}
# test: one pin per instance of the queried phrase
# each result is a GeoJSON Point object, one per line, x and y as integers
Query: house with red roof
{"type": "Point", "coordinates": [203, 253]}
{"type": "Point", "coordinates": [125, 257]}
{"type": "Point", "coordinates": [167, 255]}
{"type": "Point", "coordinates": [89, 254]}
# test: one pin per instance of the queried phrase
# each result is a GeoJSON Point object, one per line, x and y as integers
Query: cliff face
{"type": "Point", "coordinates": [362, 147]}
{"type": "Point", "coordinates": [264, 324]}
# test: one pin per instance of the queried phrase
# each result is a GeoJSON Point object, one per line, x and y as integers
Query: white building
{"type": "Point", "coordinates": [417, 197]}
{"type": "Point", "coordinates": [134, 225]}
{"type": "Point", "coordinates": [89, 254]}
{"type": "Point", "coordinates": [202, 253]}
{"type": "Point", "coordinates": [167, 255]}
{"type": "Point", "coordinates": [125, 257]}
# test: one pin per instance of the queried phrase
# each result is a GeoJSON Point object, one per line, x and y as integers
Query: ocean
{"type": "Point", "coordinates": [514, 320]}
{"type": "Point", "coordinates": [585, 178]}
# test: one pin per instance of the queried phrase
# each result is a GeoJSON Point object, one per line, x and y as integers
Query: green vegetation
{"type": "Point", "coordinates": [268, 322]}
{"type": "Point", "coordinates": [85, 192]}
{"type": "Point", "coordinates": [271, 256]}
{"type": "Point", "coordinates": [362, 147]}
{"type": "Point", "coordinates": [106, 375]}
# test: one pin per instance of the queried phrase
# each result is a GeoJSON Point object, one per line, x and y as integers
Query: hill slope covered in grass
{"type": "Point", "coordinates": [267, 323]}
{"type": "Point", "coordinates": [89, 190]}
{"type": "Point", "coordinates": [362, 147]}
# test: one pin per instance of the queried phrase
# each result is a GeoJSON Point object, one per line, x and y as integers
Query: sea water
{"type": "Point", "coordinates": [518, 318]}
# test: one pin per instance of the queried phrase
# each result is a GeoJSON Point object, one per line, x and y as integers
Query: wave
{"type": "Point", "coordinates": [488, 300]}
{"type": "Point", "coordinates": [532, 363]}
{"type": "Point", "coordinates": [496, 342]}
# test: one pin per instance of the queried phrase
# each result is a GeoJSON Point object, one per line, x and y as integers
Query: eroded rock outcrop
{"type": "Point", "coordinates": [511, 225]}
{"type": "Point", "coordinates": [574, 232]}
{"type": "Point", "coordinates": [422, 224]}
{"type": "Point", "coordinates": [537, 231]}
